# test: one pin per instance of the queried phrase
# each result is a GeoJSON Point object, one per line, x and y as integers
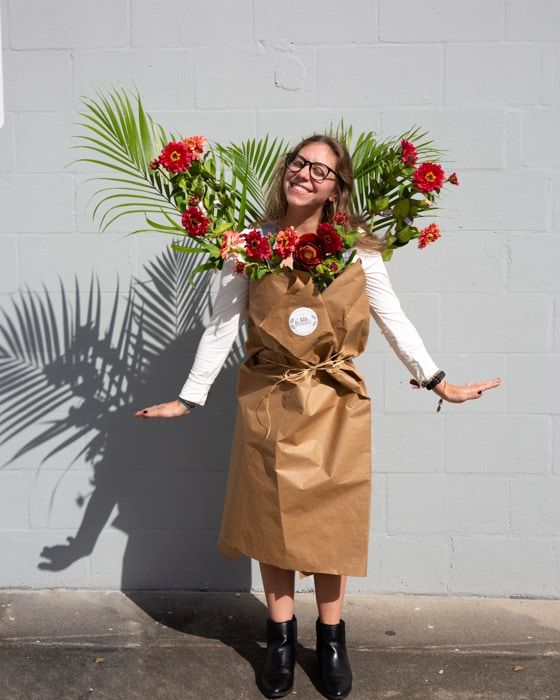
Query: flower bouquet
{"type": "Point", "coordinates": [323, 254]}
{"type": "Point", "coordinates": [210, 194]}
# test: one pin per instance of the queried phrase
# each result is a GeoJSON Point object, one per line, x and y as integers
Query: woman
{"type": "Point", "coordinates": [291, 502]}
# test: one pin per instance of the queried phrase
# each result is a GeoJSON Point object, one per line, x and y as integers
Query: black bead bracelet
{"type": "Point", "coordinates": [433, 380]}
{"type": "Point", "coordinates": [189, 404]}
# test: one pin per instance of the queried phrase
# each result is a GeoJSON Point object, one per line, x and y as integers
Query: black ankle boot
{"type": "Point", "coordinates": [334, 667]}
{"type": "Point", "coordinates": [277, 676]}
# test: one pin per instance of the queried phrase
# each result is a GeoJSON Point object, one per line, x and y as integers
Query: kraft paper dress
{"type": "Point", "coordinates": [299, 480]}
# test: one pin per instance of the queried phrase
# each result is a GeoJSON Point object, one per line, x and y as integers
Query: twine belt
{"type": "Point", "coordinates": [296, 374]}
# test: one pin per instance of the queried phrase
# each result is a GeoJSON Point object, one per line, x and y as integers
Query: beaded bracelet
{"type": "Point", "coordinates": [189, 404]}
{"type": "Point", "coordinates": [433, 380]}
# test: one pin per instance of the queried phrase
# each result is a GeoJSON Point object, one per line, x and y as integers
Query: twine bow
{"type": "Point", "coordinates": [296, 374]}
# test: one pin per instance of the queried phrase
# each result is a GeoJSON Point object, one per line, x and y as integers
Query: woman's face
{"type": "Point", "coordinates": [301, 189]}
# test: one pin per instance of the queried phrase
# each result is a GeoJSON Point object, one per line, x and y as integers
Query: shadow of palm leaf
{"type": "Point", "coordinates": [52, 357]}
{"type": "Point", "coordinates": [63, 367]}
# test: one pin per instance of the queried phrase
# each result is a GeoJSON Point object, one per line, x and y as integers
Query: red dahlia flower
{"type": "Point", "coordinates": [428, 177]}
{"type": "Point", "coordinates": [176, 157]}
{"type": "Point", "coordinates": [195, 144]}
{"type": "Point", "coordinates": [285, 242]}
{"type": "Point", "coordinates": [428, 235]}
{"type": "Point", "coordinates": [329, 239]}
{"type": "Point", "coordinates": [257, 246]}
{"type": "Point", "coordinates": [409, 154]}
{"type": "Point", "coordinates": [194, 222]}
{"type": "Point", "coordinates": [308, 251]}
{"type": "Point", "coordinates": [340, 218]}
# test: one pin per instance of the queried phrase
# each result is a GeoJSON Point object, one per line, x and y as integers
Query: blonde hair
{"type": "Point", "coordinates": [276, 204]}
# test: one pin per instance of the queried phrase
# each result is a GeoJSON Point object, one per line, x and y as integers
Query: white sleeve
{"type": "Point", "coordinates": [230, 307]}
{"type": "Point", "coordinates": [386, 310]}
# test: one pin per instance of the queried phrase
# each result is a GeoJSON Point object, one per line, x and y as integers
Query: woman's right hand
{"type": "Point", "coordinates": [171, 409]}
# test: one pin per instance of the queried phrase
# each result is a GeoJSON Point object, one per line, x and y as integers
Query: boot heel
{"type": "Point", "coordinates": [277, 676]}
{"type": "Point", "coordinates": [334, 666]}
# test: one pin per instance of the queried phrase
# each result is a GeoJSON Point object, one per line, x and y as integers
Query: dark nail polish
{"type": "Point", "coordinates": [145, 411]}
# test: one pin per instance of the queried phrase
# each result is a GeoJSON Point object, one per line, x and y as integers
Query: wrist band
{"type": "Point", "coordinates": [433, 380]}
{"type": "Point", "coordinates": [189, 404]}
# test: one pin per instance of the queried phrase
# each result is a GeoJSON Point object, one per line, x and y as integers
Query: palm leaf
{"type": "Point", "coordinates": [250, 164]}
{"type": "Point", "coordinates": [371, 160]}
{"type": "Point", "coordinates": [124, 141]}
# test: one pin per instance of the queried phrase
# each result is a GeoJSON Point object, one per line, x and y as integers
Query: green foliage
{"type": "Point", "coordinates": [251, 166]}
{"type": "Point", "coordinates": [231, 181]}
{"type": "Point", "coordinates": [124, 142]}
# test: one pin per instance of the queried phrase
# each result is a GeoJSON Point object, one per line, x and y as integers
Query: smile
{"type": "Point", "coordinates": [299, 188]}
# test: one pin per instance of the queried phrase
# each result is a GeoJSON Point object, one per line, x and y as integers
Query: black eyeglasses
{"type": "Point", "coordinates": [317, 171]}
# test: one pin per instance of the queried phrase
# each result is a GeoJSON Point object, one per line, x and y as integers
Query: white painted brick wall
{"type": "Point", "coordinates": [67, 24]}
{"type": "Point", "coordinates": [495, 564]}
{"type": "Point", "coordinates": [508, 74]}
{"type": "Point", "coordinates": [432, 503]}
{"type": "Point", "coordinates": [380, 75]}
{"type": "Point", "coordinates": [179, 24]}
{"type": "Point", "coordinates": [464, 501]}
{"type": "Point", "coordinates": [440, 21]}
{"type": "Point", "coordinates": [313, 22]}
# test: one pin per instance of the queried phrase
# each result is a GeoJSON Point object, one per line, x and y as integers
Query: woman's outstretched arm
{"type": "Point", "coordinates": [230, 308]}
{"type": "Point", "coordinates": [403, 337]}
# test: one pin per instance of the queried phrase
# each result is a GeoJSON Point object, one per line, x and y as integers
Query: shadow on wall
{"type": "Point", "coordinates": [167, 477]}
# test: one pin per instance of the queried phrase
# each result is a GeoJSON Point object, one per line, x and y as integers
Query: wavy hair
{"type": "Point", "coordinates": [276, 203]}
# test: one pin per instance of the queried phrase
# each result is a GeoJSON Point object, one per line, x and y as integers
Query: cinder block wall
{"type": "Point", "coordinates": [464, 501]}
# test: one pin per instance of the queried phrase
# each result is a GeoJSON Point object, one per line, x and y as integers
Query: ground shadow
{"type": "Point", "coordinates": [239, 623]}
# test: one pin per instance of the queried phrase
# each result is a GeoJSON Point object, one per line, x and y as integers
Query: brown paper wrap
{"type": "Point", "coordinates": [299, 481]}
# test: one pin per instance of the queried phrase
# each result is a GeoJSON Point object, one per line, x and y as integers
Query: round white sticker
{"type": "Point", "coordinates": [303, 321]}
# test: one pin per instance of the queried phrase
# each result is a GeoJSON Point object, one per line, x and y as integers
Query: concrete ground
{"type": "Point", "coordinates": [77, 645]}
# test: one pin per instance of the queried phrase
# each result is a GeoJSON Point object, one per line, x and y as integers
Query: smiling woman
{"type": "Point", "coordinates": [306, 269]}
{"type": "Point", "coordinates": [319, 169]}
{"type": "Point", "coordinates": [299, 479]}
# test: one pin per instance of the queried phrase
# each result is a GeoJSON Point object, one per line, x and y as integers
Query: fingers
{"type": "Point", "coordinates": [480, 387]}
{"type": "Point", "coordinates": [150, 412]}
{"type": "Point", "coordinates": [172, 409]}
{"type": "Point", "coordinates": [484, 386]}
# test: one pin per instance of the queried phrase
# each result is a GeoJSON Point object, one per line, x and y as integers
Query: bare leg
{"type": "Point", "coordinates": [329, 593]}
{"type": "Point", "coordinates": [334, 665]}
{"type": "Point", "coordinates": [279, 588]}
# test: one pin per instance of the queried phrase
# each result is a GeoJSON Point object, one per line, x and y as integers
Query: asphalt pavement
{"type": "Point", "coordinates": [66, 644]}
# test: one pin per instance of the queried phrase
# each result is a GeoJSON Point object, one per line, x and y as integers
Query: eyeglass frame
{"type": "Point", "coordinates": [290, 157]}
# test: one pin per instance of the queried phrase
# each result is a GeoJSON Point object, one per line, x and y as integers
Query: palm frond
{"type": "Point", "coordinates": [125, 141]}
{"type": "Point", "coordinates": [372, 161]}
{"type": "Point", "coordinates": [251, 165]}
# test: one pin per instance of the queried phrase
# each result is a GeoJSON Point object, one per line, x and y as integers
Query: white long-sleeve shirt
{"type": "Point", "coordinates": [230, 310]}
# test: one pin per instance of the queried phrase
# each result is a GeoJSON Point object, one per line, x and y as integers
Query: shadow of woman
{"type": "Point", "coordinates": [167, 481]}
{"type": "Point", "coordinates": [236, 622]}
{"type": "Point", "coordinates": [164, 480]}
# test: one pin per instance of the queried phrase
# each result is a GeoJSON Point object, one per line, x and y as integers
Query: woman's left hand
{"type": "Point", "coordinates": [457, 393]}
